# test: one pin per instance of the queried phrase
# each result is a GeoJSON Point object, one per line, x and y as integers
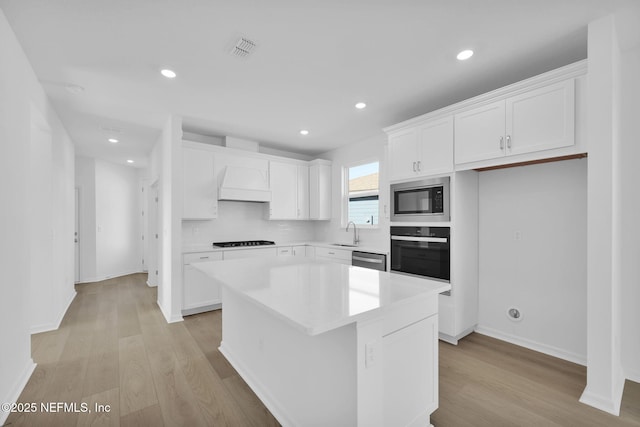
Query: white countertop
{"type": "Point", "coordinates": [318, 296]}
{"type": "Point", "coordinates": [210, 248]}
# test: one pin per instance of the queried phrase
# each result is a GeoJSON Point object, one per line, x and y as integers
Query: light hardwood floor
{"type": "Point", "coordinates": [115, 348]}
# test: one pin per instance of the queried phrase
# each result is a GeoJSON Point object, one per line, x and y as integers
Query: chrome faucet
{"type": "Point", "coordinates": [355, 234]}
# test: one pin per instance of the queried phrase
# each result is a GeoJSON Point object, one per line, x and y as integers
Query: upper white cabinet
{"type": "Point", "coordinates": [200, 199]}
{"type": "Point", "coordinates": [320, 190]}
{"type": "Point", "coordinates": [536, 120]}
{"type": "Point", "coordinates": [422, 150]}
{"type": "Point", "coordinates": [289, 183]}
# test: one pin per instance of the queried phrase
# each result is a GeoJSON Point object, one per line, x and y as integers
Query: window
{"type": "Point", "coordinates": [362, 194]}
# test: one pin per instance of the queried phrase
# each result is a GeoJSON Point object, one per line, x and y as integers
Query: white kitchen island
{"type": "Point", "coordinates": [325, 344]}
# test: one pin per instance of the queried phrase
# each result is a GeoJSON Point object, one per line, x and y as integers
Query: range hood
{"type": "Point", "coordinates": [244, 184]}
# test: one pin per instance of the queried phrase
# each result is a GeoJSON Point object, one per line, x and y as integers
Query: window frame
{"type": "Point", "coordinates": [345, 193]}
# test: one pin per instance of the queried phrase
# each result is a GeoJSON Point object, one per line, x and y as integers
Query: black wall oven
{"type": "Point", "coordinates": [422, 251]}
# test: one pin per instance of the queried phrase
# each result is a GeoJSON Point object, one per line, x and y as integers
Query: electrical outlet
{"type": "Point", "coordinates": [370, 354]}
{"type": "Point", "coordinates": [517, 236]}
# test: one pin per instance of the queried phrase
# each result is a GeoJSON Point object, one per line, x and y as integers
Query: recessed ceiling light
{"type": "Point", "coordinates": [129, 161]}
{"type": "Point", "coordinates": [304, 132]}
{"type": "Point", "coordinates": [113, 140]}
{"type": "Point", "coordinates": [465, 54]}
{"type": "Point", "coordinates": [170, 74]}
{"type": "Point", "coordinates": [360, 105]}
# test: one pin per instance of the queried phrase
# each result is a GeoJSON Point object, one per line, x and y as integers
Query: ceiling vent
{"type": "Point", "coordinates": [243, 47]}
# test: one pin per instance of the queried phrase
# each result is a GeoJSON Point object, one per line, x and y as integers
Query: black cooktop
{"type": "Point", "coordinates": [243, 243]}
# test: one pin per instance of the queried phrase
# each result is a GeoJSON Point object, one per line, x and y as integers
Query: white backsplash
{"type": "Point", "coordinates": [244, 221]}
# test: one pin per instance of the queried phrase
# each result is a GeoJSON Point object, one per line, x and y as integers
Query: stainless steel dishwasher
{"type": "Point", "coordinates": [369, 260]}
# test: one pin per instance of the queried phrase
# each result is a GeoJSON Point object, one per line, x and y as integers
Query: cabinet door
{"type": "Point", "coordinates": [303, 192]}
{"type": "Point", "coordinates": [200, 199]}
{"type": "Point", "coordinates": [300, 251]}
{"type": "Point", "coordinates": [403, 154]}
{"type": "Point", "coordinates": [320, 192]}
{"type": "Point", "coordinates": [436, 147]}
{"type": "Point", "coordinates": [479, 133]}
{"type": "Point", "coordinates": [410, 372]}
{"type": "Point", "coordinates": [198, 290]}
{"type": "Point", "coordinates": [541, 119]}
{"type": "Point", "coordinates": [283, 179]}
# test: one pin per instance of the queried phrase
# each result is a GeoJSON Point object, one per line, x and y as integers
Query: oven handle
{"type": "Point", "coordinates": [371, 260]}
{"type": "Point", "coordinates": [421, 239]}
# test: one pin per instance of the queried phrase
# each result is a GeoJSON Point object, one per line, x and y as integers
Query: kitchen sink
{"type": "Point", "coordinates": [346, 245]}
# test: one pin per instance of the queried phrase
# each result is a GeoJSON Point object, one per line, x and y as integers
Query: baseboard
{"type": "Point", "coordinates": [263, 394]}
{"type": "Point", "coordinates": [151, 286]}
{"type": "Point", "coordinates": [454, 340]}
{"type": "Point", "coordinates": [606, 404]}
{"type": "Point", "coordinates": [167, 316]}
{"type": "Point", "coordinates": [632, 375]}
{"type": "Point", "coordinates": [16, 390]}
{"type": "Point", "coordinates": [196, 310]}
{"type": "Point", "coordinates": [107, 277]}
{"type": "Point", "coordinates": [55, 325]}
{"type": "Point", "coordinates": [533, 345]}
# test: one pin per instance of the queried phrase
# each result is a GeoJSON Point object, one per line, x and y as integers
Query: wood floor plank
{"type": "Point", "coordinates": [149, 416]}
{"type": "Point", "coordinates": [66, 387]}
{"type": "Point", "coordinates": [104, 410]}
{"type": "Point", "coordinates": [217, 405]}
{"type": "Point", "coordinates": [252, 407]}
{"type": "Point", "coordinates": [102, 373]}
{"type": "Point", "coordinates": [176, 400]}
{"type": "Point", "coordinates": [137, 390]}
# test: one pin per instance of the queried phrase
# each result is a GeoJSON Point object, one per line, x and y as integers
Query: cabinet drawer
{"type": "Point", "coordinates": [333, 253]}
{"type": "Point", "coordinates": [201, 256]}
{"type": "Point", "coordinates": [250, 253]}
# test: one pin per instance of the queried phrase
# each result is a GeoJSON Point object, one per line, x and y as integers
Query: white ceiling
{"type": "Point", "coordinates": [313, 61]}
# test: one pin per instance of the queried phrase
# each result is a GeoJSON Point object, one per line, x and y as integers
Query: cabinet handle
{"type": "Point", "coordinates": [509, 141]}
{"type": "Point", "coordinates": [502, 143]}
{"type": "Point", "coordinates": [331, 253]}
{"type": "Point", "coordinates": [418, 165]}
{"type": "Point", "coordinates": [204, 257]}
{"type": "Point", "coordinates": [414, 166]}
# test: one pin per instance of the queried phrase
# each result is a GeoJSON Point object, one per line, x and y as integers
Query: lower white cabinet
{"type": "Point", "coordinates": [341, 256]}
{"type": "Point", "coordinates": [298, 251]}
{"type": "Point", "coordinates": [410, 371]}
{"type": "Point", "coordinates": [199, 293]}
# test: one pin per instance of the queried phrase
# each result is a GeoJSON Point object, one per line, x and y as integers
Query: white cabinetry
{"type": "Point", "coordinates": [250, 253]}
{"type": "Point", "coordinates": [320, 190]}
{"type": "Point", "coordinates": [289, 183]}
{"type": "Point", "coordinates": [297, 251]}
{"type": "Point", "coordinates": [421, 150]}
{"type": "Point", "coordinates": [200, 198]}
{"type": "Point", "coordinates": [536, 120]}
{"type": "Point", "coordinates": [199, 293]}
{"type": "Point", "coordinates": [341, 256]}
{"type": "Point", "coordinates": [410, 371]}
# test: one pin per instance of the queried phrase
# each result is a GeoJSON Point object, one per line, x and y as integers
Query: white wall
{"type": "Point", "coordinates": [20, 91]}
{"type": "Point", "coordinates": [373, 148]}
{"type": "Point", "coordinates": [532, 231]}
{"type": "Point", "coordinates": [111, 238]}
{"type": "Point", "coordinates": [118, 238]}
{"type": "Point", "coordinates": [85, 174]}
{"type": "Point", "coordinates": [630, 274]}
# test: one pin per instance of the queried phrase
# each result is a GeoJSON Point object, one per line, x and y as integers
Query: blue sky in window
{"type": "Point", "coordinates": [362, 170]}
